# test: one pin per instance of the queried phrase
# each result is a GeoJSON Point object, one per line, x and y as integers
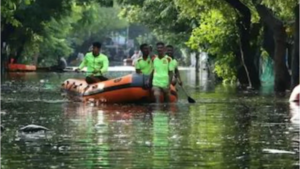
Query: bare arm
{"type": "Point", "coordinates": [151, 77]}
{"type": "Point", "coordinates": [83, 63]}
{"type": "Point", "coordinates": [170, 77]}
{"type": "Point", "coordinates": [137, 68]}
{"type": "Point", "coordinates": [105, 65]}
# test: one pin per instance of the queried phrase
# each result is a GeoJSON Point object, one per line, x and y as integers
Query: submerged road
{"type": "Point", "coordinates": [226, 128]}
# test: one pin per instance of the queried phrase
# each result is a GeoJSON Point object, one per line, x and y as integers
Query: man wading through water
{"type": "Point", "coordinates": [176, 74]}
{"type": "Point", "coordinates": [96, 63]}
{"type": "Point", "coordinates": [161, 75]}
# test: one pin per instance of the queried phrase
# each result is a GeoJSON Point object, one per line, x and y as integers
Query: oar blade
{"type": "Point", "coordinates": [191, 100]}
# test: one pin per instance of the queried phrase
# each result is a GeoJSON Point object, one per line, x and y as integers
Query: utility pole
{"type": "Point", "coordinates": [127, 40]}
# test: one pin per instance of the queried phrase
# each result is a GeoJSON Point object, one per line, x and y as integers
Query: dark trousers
{"type": "Point", "coordinates": [95, 79]}
{"type": "Point", "coordinates": [57, 68]}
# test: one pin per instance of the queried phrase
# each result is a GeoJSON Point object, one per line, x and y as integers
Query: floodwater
{"type": "Point", "coordinates": [227, 128]}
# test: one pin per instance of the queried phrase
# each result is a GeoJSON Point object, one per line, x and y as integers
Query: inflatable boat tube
{"type": "Point", "coordinates": [21, 67]}
{"type": "Point", "coordinates": [295, 95]}
{"type": "Point", "coordinates": [127, 89]}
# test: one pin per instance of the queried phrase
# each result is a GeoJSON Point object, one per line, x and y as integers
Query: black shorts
{"type": "Point", "coordinates": [95, 79]}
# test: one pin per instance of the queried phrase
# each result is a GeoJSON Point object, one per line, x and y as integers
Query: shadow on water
{"type": "Point", "coordinates": [226, 128]}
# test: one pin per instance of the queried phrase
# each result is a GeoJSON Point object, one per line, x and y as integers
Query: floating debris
{"type": "Point", "coordinates": [33, 128]}
{"type": "Point", "coordinates": [274, 151]}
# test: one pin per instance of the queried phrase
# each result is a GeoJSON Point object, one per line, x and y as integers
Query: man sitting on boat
{"type": "Point", "coordinates": [161, 75]}
{"type": "Point", "coordinates": [170, 53]}
{"type": "Point", "coordinates": [144, 63]}
{"type": "Point", "coordinates": [97, 64]}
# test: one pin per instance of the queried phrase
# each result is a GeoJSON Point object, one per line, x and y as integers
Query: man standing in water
{"type": "Point", "coordinates": [176, 74]}
{"type": "Point", "coordinates": [61, 65]}
{"type": "Point", "coordinates": [96, 63]}
{"type": "Point", "coordinates": [144, 64]}
{"type": "Point", "coordinates": [161, 75]}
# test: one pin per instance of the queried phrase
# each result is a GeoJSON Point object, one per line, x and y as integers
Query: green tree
{"type": "Point", "coordinates": [274, 14]}
{"type": "Point", "coordinates": [56, 29]}
{"type": "Point", "coordinates": [161, 17]}
{"type": "Point", "coordinates": [46, 23]}
{"type": "Point", "coordinates": [96, 23]}
{"type": "Point", "coordinates": [23, 21]}
{"type": "Point", "coordinates": [248, 18]}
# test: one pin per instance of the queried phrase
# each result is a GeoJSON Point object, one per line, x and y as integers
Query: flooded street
{"type": "Point", "coordinates": [227, 128]}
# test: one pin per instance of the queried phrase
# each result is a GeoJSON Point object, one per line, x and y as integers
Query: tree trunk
{"type": "Point", "coordinates": [197, 67]}
{"type": "Point", "coordinates": [255, 47]}
{"type": "Point", "coordinates": [289, 52]}
{"type": "Point", "coordinates": [85, 46]}
{"type": "Point", "coordinates": [197, 79]}
{"type": "Point", "coordinates": [35, 60]}
{"type": "Point", "coordinates": [19, 53]}
{"type": "Point", "coordinates": [295, 59]}
{"type": "Point", "coordinates": [241, 71]}
{"type": "Point", "coordinates": [282, 77]}
{"type": "Point", "coordinates": [5, 32]}
{"type": "Point", "coordinates": [186, 53]}
{"type": "Point", "coordinates": [281, 72]}
{"type": "Point", "coordinates": [244, 25]}
{"type": "Point", "coordinates": [268, 41]}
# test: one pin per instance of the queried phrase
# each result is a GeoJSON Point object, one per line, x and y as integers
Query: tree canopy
{"type": "Point", "coordinates": [51, 29]}
{"type": "Point", "coordinates": [234, 33]}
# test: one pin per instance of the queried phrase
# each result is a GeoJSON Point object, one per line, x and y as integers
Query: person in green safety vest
{"type": "Point", "coordinates": [143, 64]}
{"type": "Point", "coordinates": [161, 76]}
{"type": "Point", "coordinates": [176, 74]}
{"type": "Point", "coordinates": [97, 64]}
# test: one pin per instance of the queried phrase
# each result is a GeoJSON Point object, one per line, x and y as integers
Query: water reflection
{"type": "Point", "coordinates": [294, 118]}
{"type": "Point", "coordinates": [128, 135]}
{"type": "Point", "coordinates": [295, 113]}
{"type": "Point", "coordinates": [147, 136]}
{"type": "Point", "coordinates": [216, 132]}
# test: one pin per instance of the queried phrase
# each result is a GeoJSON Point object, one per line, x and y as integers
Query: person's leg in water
{"type": "Point", "coordinates": [174, 81]}
{"type": "Point", "coordinates": [156, 91]}
{"type": "Point", "coordinates": [166, 93]}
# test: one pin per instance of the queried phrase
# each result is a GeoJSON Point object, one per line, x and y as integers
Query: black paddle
{"type": "Point", "coordinates": [190, 100]}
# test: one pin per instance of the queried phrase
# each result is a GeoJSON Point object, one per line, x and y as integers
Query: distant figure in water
{"type": "Point", "coordinates": [61, 64]}
{"type": "Point", "coordinates": [80, 57]}
{"type": "Point", "coordinates": [136, 56]}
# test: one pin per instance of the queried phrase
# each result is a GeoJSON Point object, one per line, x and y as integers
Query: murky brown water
{"type": "Point", "coordinates": [226, 128]}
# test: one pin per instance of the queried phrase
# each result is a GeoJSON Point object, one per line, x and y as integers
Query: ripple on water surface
{"type": "Point", "coordinates": [224, 129]}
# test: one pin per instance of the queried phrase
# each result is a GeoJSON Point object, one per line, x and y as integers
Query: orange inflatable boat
{"type": "Point", "coordinates": [127, 89]}
{"type": "Point", "coordinates": [21, 67]}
